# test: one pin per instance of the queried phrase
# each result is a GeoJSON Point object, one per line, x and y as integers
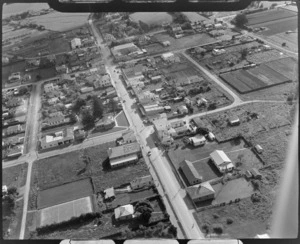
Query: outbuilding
{"type": "Point", "coordinates": [256, 174]}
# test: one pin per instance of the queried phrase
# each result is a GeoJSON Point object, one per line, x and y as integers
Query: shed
{"type": "Point", "coordinates": [109, 193]}
{"type": "Point", "coordinates": [258, 148]}
{"type": "Point", "coordinates": [234, 120]}
{"type": "Point", "coordinates": [124, 212]}
{"type": "Point", "coordinates": [255, 173]}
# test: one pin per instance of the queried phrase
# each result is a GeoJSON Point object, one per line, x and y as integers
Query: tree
{"type": "Point", "coordinates": [97, 107]}
{"type": "Point", "coordinates": [113, 105]}
{"type": "Point", "coordinates": [144, 26]}
{"type": "Point", "coordinates": [38, 77]}
{"type": "Point", "coordinates": [240, 20]}
{"type": "Point", "coordinates": [23, 90]}
{"type": "Point", "coordinates": [244, 53]}
{"type": "Point", "coordinates": [145, 209]}
{"type": "Point", "coordinates": [87, 119]}
{"type": "Point", "coordinates": [77, 105]}
{"type": "Point", "coordinates": [12, 190]}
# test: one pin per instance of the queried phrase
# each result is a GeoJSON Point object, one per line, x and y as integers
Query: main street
{"type": "Point", "coordinates": [161, 171]}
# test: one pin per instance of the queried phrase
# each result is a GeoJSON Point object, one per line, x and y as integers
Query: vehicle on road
{"type": "Point", "coordinates": [149, 154]}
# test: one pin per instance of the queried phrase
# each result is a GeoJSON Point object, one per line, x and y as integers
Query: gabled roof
{"type": "Point", "coordinates": [219, 157]}
{"type": "Point", "coordinates": [109, 192]}
{"type": "Point", "coordinates": [123, 150]}
{"type": "Point", "coordinates": [201, 190]}
{"type": "Point", "coordinates": [124, 211]}
{"type": "Point", "coordinates": [189, 171]}
{"type": "Point", "coordinates": [141, 180]}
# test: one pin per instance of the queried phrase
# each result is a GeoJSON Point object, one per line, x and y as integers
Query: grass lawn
{"type": "Point", "coordinates": [207, 169]}
{"type": "Point", "coordinates": [65, 193]}
{"type": "Point", "coordinates": [15, 176]}
{"type": "Point", "coordinates": [233, 189]}
{"type": "Point", "coordinates": [121, 119]}
{"type": "Point", "coordinates": [69, 167]}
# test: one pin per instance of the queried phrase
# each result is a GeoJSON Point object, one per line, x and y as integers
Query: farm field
{"type": "Point", "coordinates": [290, 39]}
{"type": "Point", "coordinates": [267, 16]}
{"type": "Point", "coordinates": [194, 16]}
{"type": "Point", "coordinates": [253, 79]}
{"type": "Point", "coordinates": [15, 176]}
{"type": "Point", "coordinates": [284, 66]}
{"type": "Point", "coordinates": [278, 26]}
{"type": "Point", "coordinates": [64, 193]}
{"type": "Point", "coordinates": [152, 18]}
{"type": "Point", "coordinates": [65, 211]}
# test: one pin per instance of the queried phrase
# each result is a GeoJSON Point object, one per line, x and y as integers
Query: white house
{"type": "Point", "coordinates": [221, 160]}
{"type": "Point", "coordinates": [124, 212]}
{"type": "Point", "coordinates": [75, 43]}
{"type": "Point", "coordinates": [218, 51]}
{"type": "Point", "coordinates": [57, 139]}
{"type": "Point", "coordinates": [86, 89]}
{"type": "Point", "coordinates": [197, 140]}
{"type": "Point", "coordinates": [49, 87]}
{"type": "Point", "coordinates": [168, 56]}
{"type": "Point", "coordinates": [141, 182]}
{"type": "Point", "coordinates": [4, 190]}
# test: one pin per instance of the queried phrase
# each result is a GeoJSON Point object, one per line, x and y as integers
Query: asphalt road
{"type": "Point", "coordinates": [159, 168]}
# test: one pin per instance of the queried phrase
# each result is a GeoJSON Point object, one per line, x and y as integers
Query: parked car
{"type": "Point", "coordinates": [149, 154]}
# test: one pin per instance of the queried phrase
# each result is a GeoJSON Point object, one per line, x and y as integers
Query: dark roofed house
{"type": "Point", "coordinates": [190, 173]}
{"type": "Point", "coordinates": [15, 129]}
{"type": "Point", "coordinates": [202, 192]}
{"type": "Point", "coordinates": [56, 120]}
{"type": "Point", "coordinates": [125, 154]}
{"type": "Point", "coordinates": [129, 137]}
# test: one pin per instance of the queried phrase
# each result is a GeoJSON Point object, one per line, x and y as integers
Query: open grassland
{"type": "Point", "coordinates": [64, 193]}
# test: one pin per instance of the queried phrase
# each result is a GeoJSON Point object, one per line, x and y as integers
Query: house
{"type": "Point", "coordinates": [176, 28]}
{"type": "Point", "coordinates": [218, 51]}
{"type": "Point", "coordinates": [177, 124]}
{"type": "Point", "coordinates": [129, 137]}
{"type": "Point", "coordinates": [86, 89]}
{"type": "Point", "coordinates": [62, 69]}
{"type": "Point", "coordinates": [13, 102]}
{"type": "Point", "coordinates": [14, 77]}
{"type": "Point", "coordinates": [49, 87]}
{"type": "Point", "coordinates": [156, 78]}
{"type": "Point", "coordinates": [194, 79]}
{"type": "Point", "coordinates": [179, 131]}
{"type": "Point", "coordinates": [53, 100]}
{"type": "Point", "coordinates": [75, 43]}
{"type": "Point", "coordinates": [109, 194]}
{"type": "Point", "coordinates": [190, 173]}
{"type": "Point", "coordinates": [218, 26]}
{"type": "Point", "coordinates": [105, 81]}
{"type": "Point", "coordinates": [55, 120]}
{"type": "Point", "coordinates": [256, 174]}
{"type": "Point", "coordinates": [166, 43]}
{"type": "Point", "coordinates": [197, 140]}
{"type": "Point", "coordinates": [79, 135]}
{"type": "Point", "coordinates": [124, 212]}
{"type": "Point", "coordinates": [141, 182]}
{"type": "Point", "coordinates": [4, 190]}
{"type": "Point", "coordinates": [15, 152]}
{"type": "Point", "coordinates": [57, 139]}
{"type": "Point", "coordinates": [125, 154]}
{"type": "Point", "coordinates": [153, 109]}
{"type": "Point", "coordinates": [111, 94]}
{"type": "Point", "coordinates": [234, 120]}
{"type": "Point", "coordinates": [124, 49]}
{"type": "Point", "coordinates": [15, 129]}
{"type": "Point", "coordinates": [105, 124]}
{"type": "Point", "coordinates": [221, 161]}
{"type": "Point", "coordinates": [201, 192]}
{"type": "Point", "coordinates": [248, 174]}
{"type": "Point", "coordinates": [182, 109]}
{"type": "Point", "coordinates": [168, 57]}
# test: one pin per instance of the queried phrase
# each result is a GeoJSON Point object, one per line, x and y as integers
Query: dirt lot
{"type": "Point", "coordinates": [64, 193]}
{"type": "Point", "coordinates": [69, 167]}
{"type": "Point", "coordinates": [249, 218]}
{"type": "Point", "coordinates": [15, 176]}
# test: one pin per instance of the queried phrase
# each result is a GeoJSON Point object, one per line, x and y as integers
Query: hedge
{"type": "Point", "coordinates": [74, 220]}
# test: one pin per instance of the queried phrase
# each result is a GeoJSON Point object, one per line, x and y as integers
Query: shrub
{"type": "Point", "coordinates": [205, 228]}
{"type": "Point", "coordinates": [218, 228]}
{"type": "Point", "coordinates": [229, 221]}
{"type": "Point", "coordinates": [216, 216]}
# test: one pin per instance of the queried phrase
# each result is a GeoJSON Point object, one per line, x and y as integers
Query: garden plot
{"type": "Point", "coordinates": [284, 66]}
{"type": "Point", "coordinates": [65, 211]}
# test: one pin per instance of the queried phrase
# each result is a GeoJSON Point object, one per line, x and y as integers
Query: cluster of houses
{"type": "Point", "coordinates": [127, 211]}
{"type": "Point", "coordinates": [122, 52]}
